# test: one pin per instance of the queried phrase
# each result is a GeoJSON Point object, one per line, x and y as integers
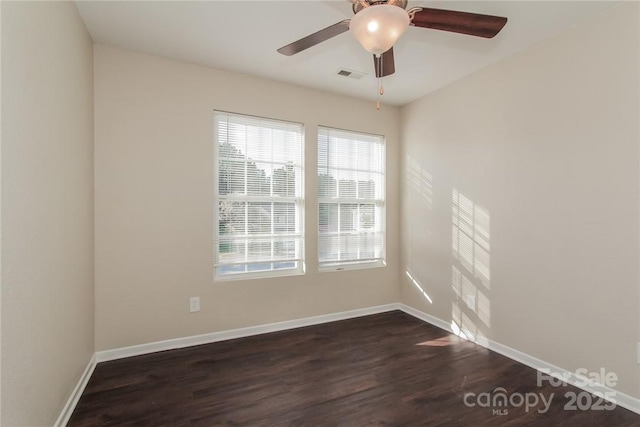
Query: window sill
{"type": "Point", "coordinates": [257, 275]}
{"type": "Point", "coordinates": [354, 266]}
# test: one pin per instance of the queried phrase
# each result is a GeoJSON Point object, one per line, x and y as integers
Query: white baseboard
{"type": "Point", "coordinates": [68, 408]}
{"type": "Point", "coordinates": [435, 321]}
{"type": "Point", "coordinates": [136, 350]}
{"type": "Point", "coordinates": [621, 399]}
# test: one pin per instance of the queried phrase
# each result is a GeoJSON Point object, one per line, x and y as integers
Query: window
{"type": "Point", "coordinates": [351, 199]}
{"type": "Point", "coordinates": [259, 181]}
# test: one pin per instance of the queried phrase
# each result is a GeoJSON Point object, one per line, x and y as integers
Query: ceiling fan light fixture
{"type": "Point", "coordinates": [378, 27]}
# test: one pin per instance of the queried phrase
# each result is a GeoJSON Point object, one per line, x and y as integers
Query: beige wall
{"type": "Point", "coordinates": [544, 146]}
{"type": "Point", "coordinates": [47, 209]}
{"type": "Point", "coordinates": [154, 201]}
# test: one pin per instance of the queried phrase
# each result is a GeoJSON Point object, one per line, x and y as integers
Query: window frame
{"type": "Point", "coordinates": [299, 203]}
{"type": "Point", "coordinates": [354, 265]}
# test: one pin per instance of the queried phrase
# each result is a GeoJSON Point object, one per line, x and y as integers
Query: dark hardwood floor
{"type": "Point", "coordinates": [383, 370]}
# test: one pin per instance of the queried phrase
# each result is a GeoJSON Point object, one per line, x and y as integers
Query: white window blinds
{"type": "Point", "coordinates": [259, 182]}
{"type": "Point", "coordinates": [351, 199]}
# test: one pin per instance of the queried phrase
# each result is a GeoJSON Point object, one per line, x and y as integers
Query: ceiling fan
{"type": "Point", "coordinates": [377, 25]}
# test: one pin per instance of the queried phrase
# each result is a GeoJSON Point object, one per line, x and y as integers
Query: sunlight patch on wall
{"type": "Point", "coordinates": [420, 180]}
{"type": "Point", "coordinates": [417, 285]}
{"type": "Point", "coordinates": [419, 236]}
{"type": "Point", "coordinates": [470, 235]}
{"type": "Point", "coordinates": [470, 269]}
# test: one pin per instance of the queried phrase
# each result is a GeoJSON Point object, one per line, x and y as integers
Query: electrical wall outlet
{"type": "Point", "coordinates": [194, 304]}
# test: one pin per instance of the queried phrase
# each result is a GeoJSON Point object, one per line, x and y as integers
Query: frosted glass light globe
{"type": "Point", "coordinates": [378, 27]}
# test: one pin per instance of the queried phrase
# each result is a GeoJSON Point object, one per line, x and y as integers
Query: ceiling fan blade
{"type": "Point", "coordinates": [315, 38]}
{"type": "Point", "coordinates": [384, 65]}
{"type": "Point", "coordinates": [473, 24]}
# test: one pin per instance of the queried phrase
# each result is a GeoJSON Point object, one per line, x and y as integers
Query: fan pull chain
{"type": "Point", "coordinates": [380, 87]}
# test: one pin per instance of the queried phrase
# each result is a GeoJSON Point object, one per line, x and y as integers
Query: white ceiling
{"type": "Point", "coordinates": [243, 36]}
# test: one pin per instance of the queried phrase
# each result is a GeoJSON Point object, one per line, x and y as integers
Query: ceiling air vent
{"type": "Point", "coordinates": [351, 73]}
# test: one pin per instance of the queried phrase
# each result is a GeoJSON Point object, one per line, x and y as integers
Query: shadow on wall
{"type": "Point", "coordinates": [470, 269]}
{"type": "Point", "coordinates": [420, 183]}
